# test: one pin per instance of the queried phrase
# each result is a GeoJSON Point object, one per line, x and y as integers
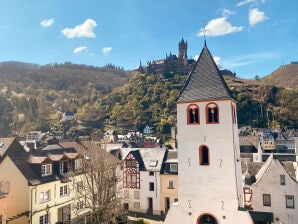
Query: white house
{"type": "Point", "coordinates": [141, 179]}
{"type": "Point", "coordinates": [275, 192]}
{"type": "Point", "coordinates": [67, 116]}
{"type": "Point", "coordinates": [209, 166]}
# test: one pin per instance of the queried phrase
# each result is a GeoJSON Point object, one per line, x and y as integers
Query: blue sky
{"type": "Point", "coordinates": [249, 37]}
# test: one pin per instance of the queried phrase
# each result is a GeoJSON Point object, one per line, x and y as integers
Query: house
{"type": "Point", "coordinates": [169, 181]}
{"type": "Point", "coordinates": [209, 170]}
{"type": "Point", "coordinates": [274, 193]}
{"type": "Point", "coordinates": [267, 141]}
{"type": "Point", "coordinates": [35, 135]}
{"type": "Point", "coordinates": [148, 130]}
{"type": "Point", "coordinates": [40, 183]}
{"type": "Point", "coordinates": [141, 179]}
{"type": "Point", "coordinates": [67, 116]}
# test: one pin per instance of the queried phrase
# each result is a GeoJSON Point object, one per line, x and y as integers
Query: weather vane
{"type": "Point", "coordinates": [204, 29]}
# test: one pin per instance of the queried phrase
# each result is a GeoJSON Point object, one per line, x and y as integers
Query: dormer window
{"type": "Point", "coordinates": [64, 166]}
{"type": "Point", "coordinates": [46, 169]}
{"type": "Point", "coordinates": [78, 164]}
{"type": "Point", "coordinates": [173, 167]}
{"type": "Point", "coordinates": [193, 114]}
{"type": "Point", "coordinates": [212, 113]}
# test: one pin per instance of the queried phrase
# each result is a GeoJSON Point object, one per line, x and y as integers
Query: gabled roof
{"type": "Point", "coordinates": [271, 161]}
{"type": "Point", "coordinates": [27, 162]}
{"type": "Point", "coordinates": [205, 82]}
{"type": "Point", "coordinates": [152, 158]}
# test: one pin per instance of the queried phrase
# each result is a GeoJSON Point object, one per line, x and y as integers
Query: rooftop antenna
{"type": "Point", "coordinates": [204, 29]}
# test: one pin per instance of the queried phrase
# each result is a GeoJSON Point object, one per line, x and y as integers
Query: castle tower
{"type": "Point", "coordinates": [182, 50]}
{"type": "Point", "coordinates": [209, 166]}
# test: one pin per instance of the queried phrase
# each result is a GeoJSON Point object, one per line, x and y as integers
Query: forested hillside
{"type": "Point", "coordinates": [34, 97]}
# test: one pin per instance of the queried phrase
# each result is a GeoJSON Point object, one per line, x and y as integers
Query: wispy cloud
{"type": "Point", "coordinates": [47, 22]}
{"type": "Point", "coordinates": [227, 12]}
{"type": "Point", "coordinates": [106, 50]}
{"type": "Point", "coordinates": [256, 16]}
{"type": "Point", "coordinates": [245, 2]}
{"type": "Point", "coordinates": [83, 30]}
{"type": "Point", "coordinates": [249, 59]}
{"type": "Point", "coordinates": [79, 49]}
{"type": "Point", "coordinates": [218, 27]}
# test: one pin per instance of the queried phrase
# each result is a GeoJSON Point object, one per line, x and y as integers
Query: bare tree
{"type": "Point", "coordinates": [101, 183]}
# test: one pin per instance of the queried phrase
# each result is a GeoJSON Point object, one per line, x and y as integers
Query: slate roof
{"type": "Point", "coordinates": [27, 162]}
{"type": "Point", "coordinates": [205, 82]}
{"type": "Point", "coordinates": [147, 156]}
{"type": "Point", "coordinates": [5, 143]}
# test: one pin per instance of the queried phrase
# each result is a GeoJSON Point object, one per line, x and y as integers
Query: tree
{"type": "Point", "coordinates": [102, 181]}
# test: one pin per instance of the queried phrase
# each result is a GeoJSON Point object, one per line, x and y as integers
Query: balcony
{"type": "Point", "coordinates": [66, 177]}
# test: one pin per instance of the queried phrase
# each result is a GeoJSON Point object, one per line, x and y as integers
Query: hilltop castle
{"type": "Point", "coordinates": [171, 63]}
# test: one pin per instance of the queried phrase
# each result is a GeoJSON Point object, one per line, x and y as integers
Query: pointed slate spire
{"type": "Point", "coordinates": [205, 81]}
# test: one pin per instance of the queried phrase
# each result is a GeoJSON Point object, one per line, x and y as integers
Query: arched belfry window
{"type": "Point", "coordinates": [204, 155]}
{"type": "Point", "coordinates": [212, 113]}
{"type": "Point", "coordinates": [206, 219]}
{"type": "Point", "coordinates": [193, 114]}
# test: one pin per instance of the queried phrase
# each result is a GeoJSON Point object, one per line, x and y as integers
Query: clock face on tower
{"type": "Point", "coordinates": [206, 219]}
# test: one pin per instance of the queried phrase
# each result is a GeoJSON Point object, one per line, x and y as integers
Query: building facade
{"type": "Point", "coordinates": [210, 184]}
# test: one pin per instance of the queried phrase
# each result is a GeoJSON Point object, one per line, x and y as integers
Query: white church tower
{"type": "Point", "coordinates": [209, 166]}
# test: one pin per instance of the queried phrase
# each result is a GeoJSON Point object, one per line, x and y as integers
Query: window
{"type": "Point", "coordinates": [126, 194]}
{"type": "Point", "coordinates": [151, 173]}
{"type": "Point", "coordinates": [282, 180]}
{"type": "Point", "coordinates": [171, 184]}
{"type": "Point", "coordinates": [290, 203]}
{"type": "Point", "coordinates": [136, 194]}
{"type": "Point", "coordinates": [44, 219]}
{"type": "Point", "coordinates": [63, 190]}
{"type": "Point", "coordinates": [80, 205]}
{"type": "Point", "coordinates": [151, 186]}
{"type": "Point", "coordinates": [46, 169]}
{"type": "Point", "coordinates": [193, 114]}
{"type": "Point", "coordinates": [204, 155]}
{"type": "Point", "coordinates": [175, 199]}
{"type": "Point", "coordinates": [173, 167]}
{"type": "Point", "coordinates": [44, 196]}
{"type": "Point", "coordinates": [80, 185]}
{"type": "Point", "coordinates": [266, 199]}
{"type": "Point", "coordinates": [136, 205]}
{"type": "Point", "coordinates": [78, 164]}
{"type": "Point", "coordinates": [153, 163]}
{"type": "Point", "coordinates": [212, 113]}
{"type": "Point", "coordinates": [234, 114]}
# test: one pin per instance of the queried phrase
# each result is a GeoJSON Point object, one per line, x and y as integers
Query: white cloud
{"type": "Point", "coordinates": [217, 60]}
{"type": "Point", "coordinates": [218, 27]}
{"type": "Point", "coordinates": [83, 30]}
{"type": "Point", "coordinates": [244, 2]}
{"type": "Point", "coordinates": [106, 50]}
{"type": "Point", "coordinates": [47, 22]}
{"type": "Point", "coordinates": [256, 16]}
{"type": "Point", "coordinates": [196, 57]}
{"type": "Point", "coordinates": [79, 49]}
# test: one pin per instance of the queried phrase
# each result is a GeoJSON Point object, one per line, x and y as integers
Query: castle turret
{"type": "Point", "coordinates": [182, 50]}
